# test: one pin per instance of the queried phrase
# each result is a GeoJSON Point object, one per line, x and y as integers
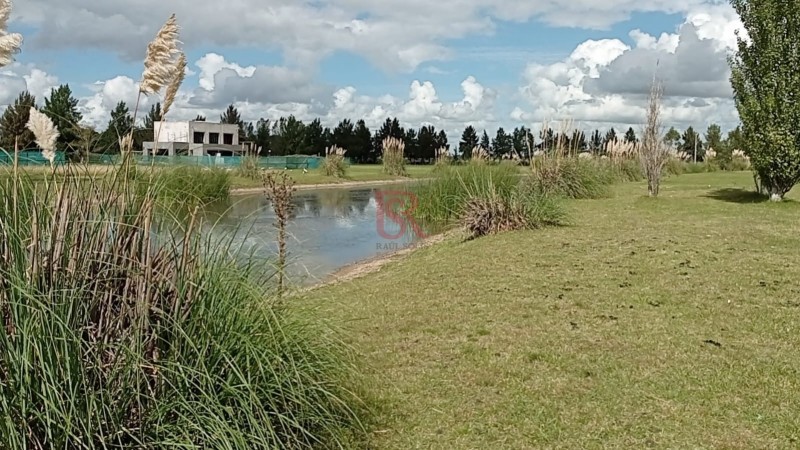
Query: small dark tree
{"type": "Point", "coordinates": [485, 142]}
{"type": "Point", "coordinates": [692, 144]}
{"type": "Point", "coordinates": [503, 144]}
{"type": "Point", "coordinates": [362, 143]}
{"type": "Point", "coordinates": [469, 140]}
{"type": "Point", "coordinates": [672, 138]}
{"type": "Point", "coordinates": [13, 123]}
{"type": "Point", "coordinates": [120, 125]}
{"type": "Point", "coordinates": [630, 136]}
{"type": "Point", "coordinates": [62, 108]}
{"type": "Point", "coordinates": [714, 142]}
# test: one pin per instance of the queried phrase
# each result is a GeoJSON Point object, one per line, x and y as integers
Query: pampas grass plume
{"type": "Point", "coordinates": [45, 132]}
{"type": "Point", "coordinates": [10, 43]}
{"type": "Point", "coordinates": [178, 74]}
{"type": "Point", "coordinates": [158, 64]}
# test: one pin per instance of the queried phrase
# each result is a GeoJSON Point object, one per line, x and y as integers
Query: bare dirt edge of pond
{"type": "Point", "coordinates": [371, 265]}
{"type": "Point", "coordinates": [344, 184]}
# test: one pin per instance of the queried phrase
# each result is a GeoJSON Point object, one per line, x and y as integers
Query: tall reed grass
{"type": "Point", "coordinates": [123, 328]}
{"type": "Point", "coordinates": [485, 199]}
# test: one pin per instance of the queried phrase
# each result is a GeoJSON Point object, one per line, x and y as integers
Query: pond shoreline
{"type": "Point", "coordinates": [374, 264]}
{"type": "Point", "coordinates": [342, 185]}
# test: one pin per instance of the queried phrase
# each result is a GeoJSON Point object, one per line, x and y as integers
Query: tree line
{"type": "Point", "coordinates": [289, 135]}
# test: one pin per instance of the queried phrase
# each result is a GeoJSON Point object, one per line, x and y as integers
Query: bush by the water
{"type": "Point", "coordinates": [185, 183]}
{"type": "Point", "coordinates": [118, 334]}
{"type": "Point", "coordinates": [334, 164]}
{"type": "Point", "coordinates": [575, 178]}
{"type": "Point", "coordinates": [250, 168]}
{"type": "Point", "coordinates": [393, 157]}
{"type": "Point", "coordinates": [484, 199]}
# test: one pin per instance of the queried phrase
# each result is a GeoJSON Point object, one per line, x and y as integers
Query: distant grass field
{"type": "Point", "coordinates": [646, 323]}
{"type": "Point", "coordinates": [354, 173]}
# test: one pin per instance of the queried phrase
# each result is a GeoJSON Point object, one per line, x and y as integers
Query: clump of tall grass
{"type": "Point", "coordinates": [480, 155]}
{"type": "Point", "coordinates": [491, 212]}
{"type": "Point", "coordinates": [568, 177]}
{"type": "Point", "coordinates": [186, 184]}
{"type": "Point", "coordinates": [443, 159]}
{"type": "Point", "coordinates": [117, 333]}
{"type": "Point", "coordinates": [393, 156]}
{"type": "Point", "coordinates": [334, 164]}
{"type": "Point", "coordinates": [249, 167]}
{"type": "Point", "coordinates": [442, 199]}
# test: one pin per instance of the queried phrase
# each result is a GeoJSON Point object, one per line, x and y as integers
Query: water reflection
{"type": "Point", "coordinates": [330, 228]}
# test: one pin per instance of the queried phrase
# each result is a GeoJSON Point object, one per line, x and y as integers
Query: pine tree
{"type": "Point", "coordinates": [390, 128]}
{"type": "Point", "coordinates": [503, 144]}
{"type": "Point", "coordinates": [263, 136]}
{"type": "Point", "coordinates": [485, 142]}
{"type": "Point", "coordinates": [288, 136]}
{"type": "Point", "coordinates": [691, 142]}
{"type": "Point", "coordinates": [428, 143]}
{"type": "Point", "coordinates": [766, 90]}
{"type": "Point", "coordinates": [62, 108]}
{"type": "Point", "coordinates": [611, 136]}
{"type": "Point", "coordinates": [469, 140]}
{"type": "Point", "coordinates": [630, 136]}
{"type": "Point", "coordinates": [13, 123]}
{"type": "Point", "coordinates": [200, 118]}
{"type": "Point", "coordinates": [441, 142]}
{"type": "Point", "coordinates": [315, 141]}
{"type": "Point", "coordinates": [596, 143]}
{"type": "Point", "coordinates": [412, 149]}
{"type": "Point", "coordinates": [121, 124]}
{"type": "Point", "coordinates": [343, 134]}
{"type": "Point", "coordinates": [231, 116]}
{"type": "Point", "coordinates": [362, 142]}
{"type": "Point", "coordinates": [714, 141]}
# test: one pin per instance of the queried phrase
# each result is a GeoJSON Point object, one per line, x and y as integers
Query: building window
{"type": "Point", "coordinates": [213, 138]}
{"type": "Point", "coordinates": [227, 138]}
{"type": "Point", "coordinates": [198, 137]}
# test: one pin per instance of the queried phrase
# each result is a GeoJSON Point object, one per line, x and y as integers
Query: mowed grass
{"type": "Point", "coordinates": [646, 323]}
{"type": "Point", "coordinates": [354, 173]}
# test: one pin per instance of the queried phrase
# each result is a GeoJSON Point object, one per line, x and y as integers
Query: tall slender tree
{"type": "Point", "coordinates": [503, 144]}
{"type": "Point", "coordinates": [485, 142]}
{"type": "Point", "coordinates": [315, 139]}
{"type": "Point", "coordinates": [766, 90]}
{"type": "Point", "coordinates": [362, 142]}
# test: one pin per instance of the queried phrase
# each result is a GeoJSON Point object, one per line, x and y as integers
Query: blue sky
{"type": "Point", "coordinates": [486, 63]}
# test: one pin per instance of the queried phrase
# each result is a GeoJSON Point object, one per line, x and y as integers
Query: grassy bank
{"type": "Point", "coordinates": [660, 323]}
{"type": "Point", "coordinates": [354, 173]}
{"type": "Point", "coordinates": [125, 328]}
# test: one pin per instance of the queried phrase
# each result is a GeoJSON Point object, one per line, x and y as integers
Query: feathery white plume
{"type": "Point", "coordinates": [45, 132]}
{"type": "Point", "coordinates": [159, 62]}
{"type": "Point", "coordinates": [178, 74]}
{"type": "Point", "coordinates": [9, 42]}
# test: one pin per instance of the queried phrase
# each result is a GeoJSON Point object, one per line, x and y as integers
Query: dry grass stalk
{"type": "Point", "coordinates": [10, 43]}
{"type": "Point", "coordinates": [618, 149]}
{"type": "Point", "coordinates": [334, 164]}
{"type": "Point", "coordinates": [480, 154]}
{"type": "Point", "coordinates": [279, 189]}
{"type": "Point", "coordinates": [653, 152]}
{"type": "Point", "coordinates": [45, 132]}
{"type": "Point", "coordinates": [491, 215]}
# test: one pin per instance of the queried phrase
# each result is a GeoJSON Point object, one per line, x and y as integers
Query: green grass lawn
{"type": "Point", "coordinates": [354, 173]}
{"type": "Point", "coordinates": [646, 323]}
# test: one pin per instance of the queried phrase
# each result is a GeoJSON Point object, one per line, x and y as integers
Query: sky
{"type": "Point", "coordinates": [448, 63]}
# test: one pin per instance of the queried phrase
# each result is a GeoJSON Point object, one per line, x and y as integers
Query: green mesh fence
{"type": "Point", "coordinates": [230, 162]}
{"type": "Point", "coordinates": [30, 158]}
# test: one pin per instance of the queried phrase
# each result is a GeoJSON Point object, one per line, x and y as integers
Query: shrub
{"type": "Point", "coordinates": [250, 168]}
{"type": "Point", "coordinates": [574, 178]}
{"type": "Point", "coordinates": [443, 199]}
{"type": "Point", "coordinates": [180, 184]}
{"type": "Point", "coordinates": [119, 334]}
{"type": "Point", "coordinates": [334, 164]}
{"type": "Point", "coordinates": [495, 213]}
{"type": "Point", "coordinates": [394, 162]}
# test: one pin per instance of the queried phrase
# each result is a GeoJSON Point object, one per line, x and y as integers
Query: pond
{"type": "Point", "coordinates": [330, 228]}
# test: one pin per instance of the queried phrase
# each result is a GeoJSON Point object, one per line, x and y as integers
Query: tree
{"type": "Point", "coordinates": [714, 142]}
{"type": "Point", "coordinates": [200, 118]}
{"type": "Point", "coordinates": [315, 139]}
{"type": "Point", "coordinates": [441, 141]}
{"type": "Point", "coordinates": [13, 123]}
{"type": "Point", "coordinates": [596, 143]}
{"type": "Point", "coordinates": [734, 141]}
{"type": "Point", "coordinates": [263, 136]}
{"type": "Point", "coordinates": [390, 128]}
{"type": "Point", "coordinates": [766, 90]}
{"type": "Point", "coordinates": [653, 153]}
{"type": "Point", "coordinates": [343, 134]}
{"type": "Point", "coordinates": [428, 143]}
{"type": "Point", "coordinates": [231, 116]}
{"type": "Point", "coordinates": [522, 141]}
{"type": "Point", "coordinates": [288, 136]}
{"type": "Point", "coordinates": [503, 144]}
{"type": "Point", "coordinates": [62, 108]}
{"type": "Point", "coordinates": [362, 143]}
{"type": "Point", "coordinates": [485, 143]}
{"type": "Point", "coordinates": [630, 136]}
{"type": "Point", "coordinates": [411, 141]}
{"type": "Point", "coordinates": [121, 124]}
{"type": "Point", "coordinates": [611, 136]}
{"type": "Point", "coordinates": [672, 138]}
{"type": "Point", "coordinates": [148, 133]}
{"type": "Point", "coordinates": [469, 140]}
{"type": "Point", "coordinates": [692, 144]}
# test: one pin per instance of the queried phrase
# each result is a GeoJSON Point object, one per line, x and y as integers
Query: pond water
{"type": "Point", "coordinates": [329, 228]}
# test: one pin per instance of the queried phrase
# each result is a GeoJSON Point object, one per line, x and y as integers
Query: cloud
{"type": "Point", "coordinates": [21, 77]}
{"type": "Point", "coordinates": [607, 82]}
{"type": "Point", "coordinates": [397, 35]}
